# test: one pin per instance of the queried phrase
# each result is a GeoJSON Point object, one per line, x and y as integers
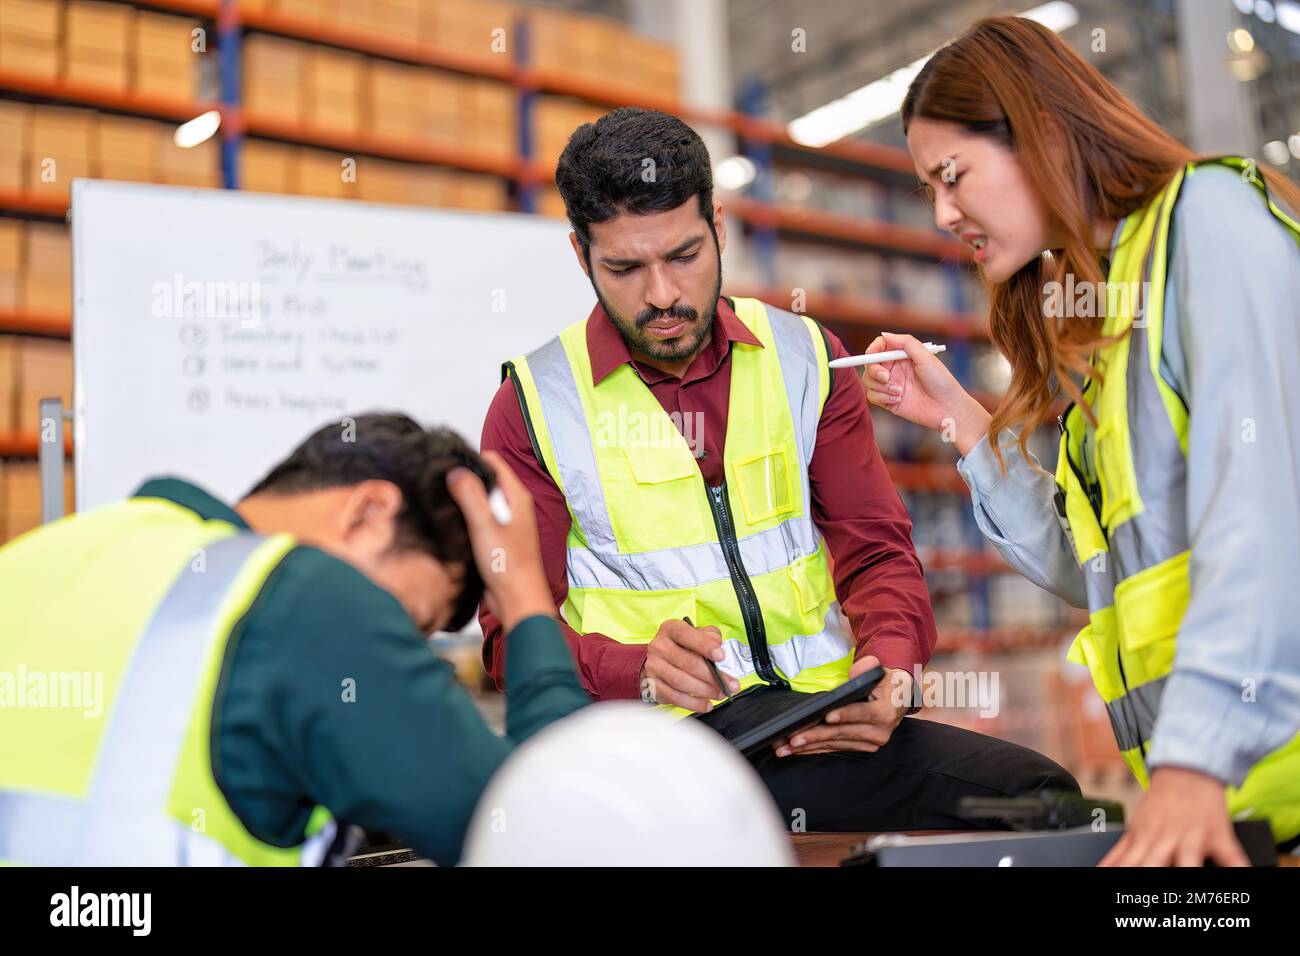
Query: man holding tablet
{"type": "Point", "coordinates": [694, 456]}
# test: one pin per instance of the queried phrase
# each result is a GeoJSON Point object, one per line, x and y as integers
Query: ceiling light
{"type": "Point", "coordinates": [198, 130]}
{"type": "Point", "coordinates": [882, 98]}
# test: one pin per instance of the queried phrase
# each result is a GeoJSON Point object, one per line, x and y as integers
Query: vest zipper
{"type": "Point", "coordinates": [1093, 491]}
{"type": "Point", "coordinates": [749, 609]}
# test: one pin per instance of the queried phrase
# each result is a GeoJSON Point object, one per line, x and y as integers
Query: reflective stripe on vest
{"type": "Point", "coordinates": [1133, 544]}
{"type": "Point", "coordinates": [122, 819]}
{"type": "Point", "coordinates": [562, 408]}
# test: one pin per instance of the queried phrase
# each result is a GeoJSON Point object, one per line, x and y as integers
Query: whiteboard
{"type": "Point", "coordinates": [213, 330]}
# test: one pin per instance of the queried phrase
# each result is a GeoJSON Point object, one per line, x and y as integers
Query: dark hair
{"type": "Point", "coordinates": [393, 447]}
{"type": "Point", "coordinates": [601, 171]}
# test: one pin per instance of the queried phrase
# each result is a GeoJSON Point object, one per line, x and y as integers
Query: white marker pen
{"type": "Point", "coordinates": [875, 358]}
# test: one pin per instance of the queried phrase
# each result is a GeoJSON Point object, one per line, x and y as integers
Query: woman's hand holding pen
{"type": "Point", "coordinates": [922, 390]}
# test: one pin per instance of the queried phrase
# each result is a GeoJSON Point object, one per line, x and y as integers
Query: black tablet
{"type": "Point", "coordinates": [805, 711]}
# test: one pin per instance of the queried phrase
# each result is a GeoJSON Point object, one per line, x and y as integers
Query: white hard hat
{"type": "Point", "coordinates": [619, 784]}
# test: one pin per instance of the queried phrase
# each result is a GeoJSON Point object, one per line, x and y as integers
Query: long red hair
{"type": "Point", "coordinates": [1091, 154]}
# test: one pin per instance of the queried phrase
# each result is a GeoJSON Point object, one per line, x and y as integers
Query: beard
{"type": "Point", "coordinates": [638, 340]}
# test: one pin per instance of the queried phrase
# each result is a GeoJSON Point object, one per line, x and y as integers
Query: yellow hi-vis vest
{"type": "Point", "coordinates": [650, 542]}
{"type": "Point", "coordinates": [113, 631]}
{"type": "Point", "coordinates": [1122, 500]}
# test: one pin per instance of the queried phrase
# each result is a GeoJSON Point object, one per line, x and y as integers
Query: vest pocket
{"type": "Point", "coordinates": [1149, 609]}
{"type": "Point", "coordinates": [658, 464]}
{"type": "Point", "coordinates": [1097, 648]}
{"type": "Point", "coordinates": [633, 617]}
{"type": "Point", "coordinates": [766, 483]}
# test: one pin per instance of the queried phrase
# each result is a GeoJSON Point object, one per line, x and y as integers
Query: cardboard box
{"type": "Point", "coordinates": [474, 191]}
{"type": "Point", "coordinates": [127, 149]}
{"type": "Point", "coordinates": [391, 95]}
{"type": "Point", "coordinates": [8, 383]}
{"type": "Point", "coordinates": [48, 249]}
{"type": "Point", "coordinates": [47, 292]}
{"type": "Point", "coordinates": [320, 173]}
{"type": "Point", "coordinates": [273, 77]}
{"type": "Point", "coordinates": [12, 235]}
{"type": "Point", "coordinates": [60, 150]}
{"type": "Point", "coordinates": [171, 80]}
{"type": "Point", "coordinates": [13, 171]}
{"type": "Point", "coordinates": [162, 37]}
{"type": "Point", "coordinates": [15, 136]}
{"type": "Point", "coordinates": [428, 187]}
{"type": "Point", "coordinates": [332, 89]}
{"type": "Point", "coordinates": [471, 26]}
{"type": "Point", "coordinates": [29, 56]}
{"type": "Point", "coordinates": [379, 180]}
{"type": "Point", "coordinates": [165, 53]}
{"type": "Point", "coordinates": [98, 26]}
{"type": "Point", "coordinates": [36, 18]}
{"type": "Point", "coordinates": [44, 371]}
{"type": "Point", "coordinates": [268, 167]}
{"type": "Point", "coordinates": [11, 290]}
{"type": "Point", "coordinates": [164, 61]}
{"type": "Point", "coordinates": [190, 166]}
{"type": "Point", "coordinates": [101, 71]}
{"type": "Point", "coordinates": [58, 130]}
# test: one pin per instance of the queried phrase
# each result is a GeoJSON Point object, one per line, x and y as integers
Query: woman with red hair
{"type": "Point", "coordinates": [1159, 293]}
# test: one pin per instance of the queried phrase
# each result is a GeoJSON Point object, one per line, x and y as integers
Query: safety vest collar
{"type": "Point", "coordinates": [608, 351]}
{"type": "Point", "coordinates": [191, 496]}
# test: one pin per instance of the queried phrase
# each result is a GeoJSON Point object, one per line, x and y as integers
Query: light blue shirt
{"type": "Point", "coordinates": [1231, 349]}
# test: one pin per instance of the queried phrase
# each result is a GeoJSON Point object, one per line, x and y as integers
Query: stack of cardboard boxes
{"type": "Point", "coordinates": [29, 38]}
{"type": "Point", "coordinates": [267, 167]}
{"type": "Point", "coordinates": [15, 128]}
{"type": "Point", "coordinates": [12, 233]}
{"type": "Point", "coordinates": [128, 149]}
{"type": "Point", "coordinates": [105, 46]}
{"type": "Point", "coordinates": [166, 61]}
{"type": "Point", "coordinates": [59, 150]}
{"type": "Point", "coordinates": [332, 86]}
{"type": "Point", "coordinates": [601, 51]}
{"type": "Point", "coordinates": [97, 44]}
{"type": "Point", "coordinates": [43, 147]}
{"type": "Point", "coordinates": [43, 370]}
{"type": "Point", "coordinates": [281, 168]}
{"type": "Point", "coordinates": [596, 49]}
{"type": "Point", "coordinates": [556, 119]}
{"type": "Point", "coordinates": [472, 27]}
{"type": "Point", "coordinates": [47, 274]}
{"type": "Point", "coordinates": [273, 77]}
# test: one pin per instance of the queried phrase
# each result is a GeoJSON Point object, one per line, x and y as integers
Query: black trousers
{"type": "Point", "coordinates": [914, 782]}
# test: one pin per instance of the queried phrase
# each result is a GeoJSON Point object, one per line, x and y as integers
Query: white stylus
{"type": "Point", "coordinates": [875, 358]}
{"type": "Point", "coordinates": [499, 507]}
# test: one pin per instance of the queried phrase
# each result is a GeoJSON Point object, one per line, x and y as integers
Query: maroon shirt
{"type": "Point", "coordinates": [878, 577]}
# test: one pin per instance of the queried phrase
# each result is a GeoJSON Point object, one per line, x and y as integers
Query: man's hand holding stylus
{"type": "Point", "coordinates": [675, 671]}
